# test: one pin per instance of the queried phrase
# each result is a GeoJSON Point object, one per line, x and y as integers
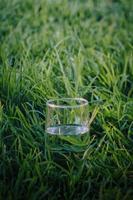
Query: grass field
{"type": "Point", "coordinates": [66, 48]}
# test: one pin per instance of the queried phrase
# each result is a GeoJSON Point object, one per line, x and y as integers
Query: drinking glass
{"type": "Point", "coordinates": [67, 116]}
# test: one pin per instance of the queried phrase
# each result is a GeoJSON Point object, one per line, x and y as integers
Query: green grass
{"type": "Point", "coordinates": [66, 48]}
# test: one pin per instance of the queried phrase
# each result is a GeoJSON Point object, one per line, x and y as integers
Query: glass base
{"type": "Point", "coordinates": [69, 129]}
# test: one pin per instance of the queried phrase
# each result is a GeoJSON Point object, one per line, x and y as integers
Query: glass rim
{"type": "Point", "coordinates": [52, 103]}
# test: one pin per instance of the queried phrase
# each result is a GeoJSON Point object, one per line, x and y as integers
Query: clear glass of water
{"type": "Point", "coordinates": [67, 116]}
